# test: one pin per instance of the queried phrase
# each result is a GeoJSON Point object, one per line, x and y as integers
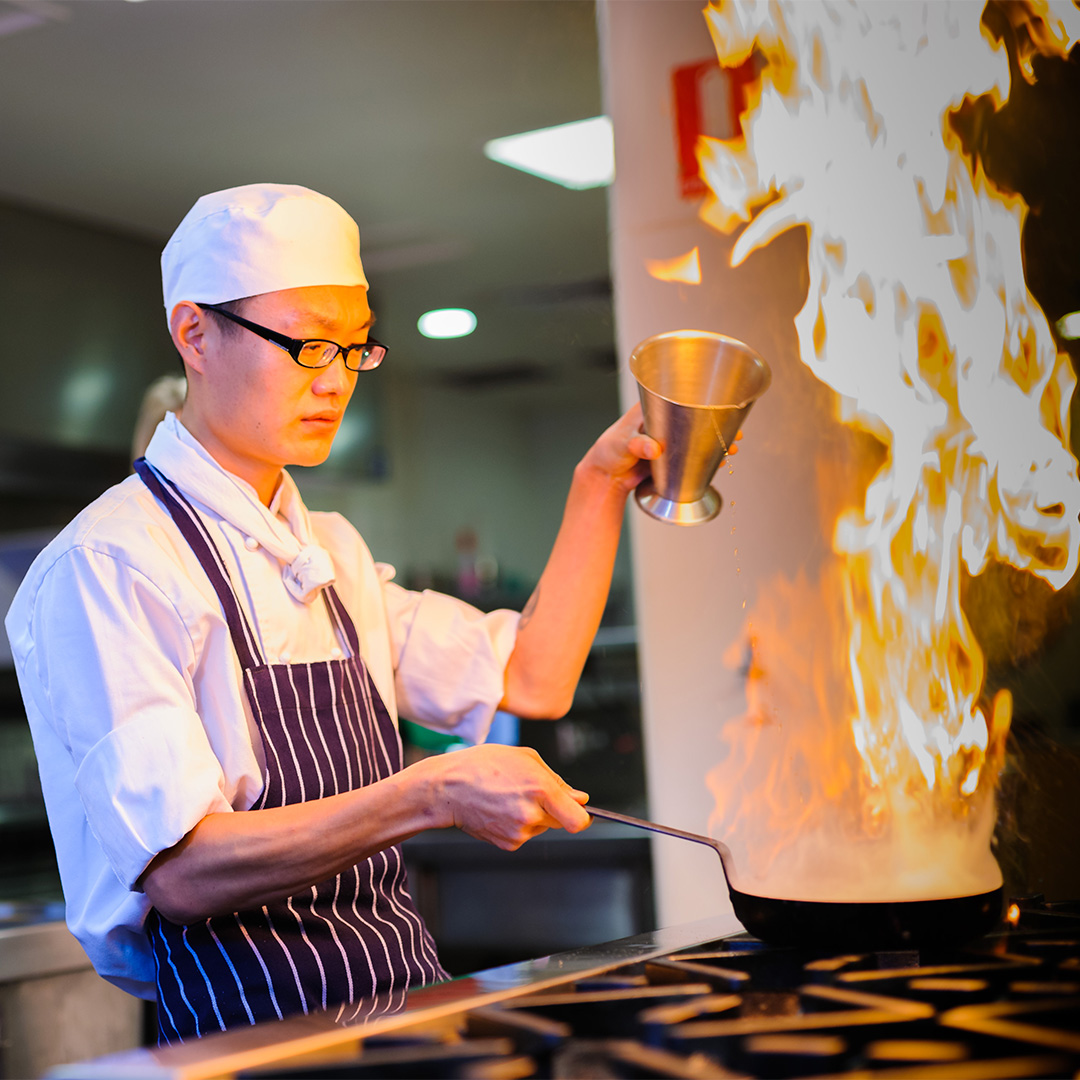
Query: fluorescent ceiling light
{"type": "Point", "coordinates": [578, 155]}
{"type": "Point", "coordinates": [446, 323]}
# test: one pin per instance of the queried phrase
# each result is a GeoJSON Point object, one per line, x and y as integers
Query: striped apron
{"type": "Point", "coordinates": [325, 730]}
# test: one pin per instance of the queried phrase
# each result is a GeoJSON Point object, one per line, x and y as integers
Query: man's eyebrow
{"type": "Point", "coordinates": [328, 323]}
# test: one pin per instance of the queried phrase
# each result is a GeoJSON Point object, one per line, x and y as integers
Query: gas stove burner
{"type": "Point", "coordinates": [1007, 1005]}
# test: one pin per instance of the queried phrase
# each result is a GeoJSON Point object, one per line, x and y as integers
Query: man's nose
{"type": "Point", "coordinates": [335, 378]}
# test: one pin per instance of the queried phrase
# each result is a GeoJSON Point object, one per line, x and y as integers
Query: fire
{"type": "Point", "coordinates": [683, 268]}
{"type": "Point", "coordinates": [868, 743]}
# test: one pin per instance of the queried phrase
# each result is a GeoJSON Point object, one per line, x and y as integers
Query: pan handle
{"type": "Point", "coordinates": [640, 823]}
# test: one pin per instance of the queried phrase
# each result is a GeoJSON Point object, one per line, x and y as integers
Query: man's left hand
{"type": "Point", "coordinates": [624, 451]}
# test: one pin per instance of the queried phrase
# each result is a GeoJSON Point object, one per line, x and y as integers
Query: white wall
{"type": "Point", "coordinates": [690, 584]}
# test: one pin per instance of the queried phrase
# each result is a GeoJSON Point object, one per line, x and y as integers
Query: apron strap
{"type": "Point", "coordinates": [195, 533]}
{"type": "Point", "coordinates": [342, 619]}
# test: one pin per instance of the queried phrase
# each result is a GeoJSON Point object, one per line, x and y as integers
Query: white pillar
{"type": "Point", "coordinates": [690, 583]}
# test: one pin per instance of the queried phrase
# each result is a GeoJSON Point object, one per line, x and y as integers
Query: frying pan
{"type": "Point", "coordinates": [870, 925]}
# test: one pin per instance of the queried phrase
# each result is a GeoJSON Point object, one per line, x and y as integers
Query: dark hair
{"type": "Point", "coordinates": [228, 328]}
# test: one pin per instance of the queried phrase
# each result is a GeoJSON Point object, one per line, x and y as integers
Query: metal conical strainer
{"type": "Point", "coordinates": [696, 389]}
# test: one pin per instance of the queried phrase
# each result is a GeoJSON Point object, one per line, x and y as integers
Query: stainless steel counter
{"type": "Point", "coordinates": [34, 942]}
{"type": "Point", "coordinates": [335, 1032]}
{"type": "Point", "coordinates": [53, 1005]}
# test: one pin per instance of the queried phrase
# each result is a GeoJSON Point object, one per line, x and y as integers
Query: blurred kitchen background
{"type": "Point", "coordinates": [456, 455]}
{"type": "Point", "coordinates": [454, 458]}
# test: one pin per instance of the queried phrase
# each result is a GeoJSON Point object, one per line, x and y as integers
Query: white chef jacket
{"type": "Point", "coordinates": [135, 696]}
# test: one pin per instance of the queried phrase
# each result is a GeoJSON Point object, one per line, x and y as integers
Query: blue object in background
{"type": "Point", "coordinates": [505, 729]}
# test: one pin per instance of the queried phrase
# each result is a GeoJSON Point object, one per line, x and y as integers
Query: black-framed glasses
{"type": "Point", "coordinates": [313, 352]}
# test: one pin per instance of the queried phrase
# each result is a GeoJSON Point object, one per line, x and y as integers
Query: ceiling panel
{"type": "Point", "coordinates": [123, 113]}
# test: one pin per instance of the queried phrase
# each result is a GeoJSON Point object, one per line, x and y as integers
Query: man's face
{"type": "Point", "coordinates": [262, 409]}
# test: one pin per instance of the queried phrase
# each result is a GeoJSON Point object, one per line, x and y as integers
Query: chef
{"type": "Point", "coordinates": [213, 675]}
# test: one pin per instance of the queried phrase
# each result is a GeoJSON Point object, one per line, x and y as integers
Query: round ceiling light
{"type": "Point", "coordinates": [446, 323]}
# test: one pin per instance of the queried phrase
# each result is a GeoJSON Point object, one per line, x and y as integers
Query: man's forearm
{"type": "Point", "coordinates": [561, 619]}
{"type": "Point", "coordinates": [239, 861]}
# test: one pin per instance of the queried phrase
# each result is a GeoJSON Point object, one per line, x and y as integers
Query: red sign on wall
{"type": "Point", "coordinates": [708, 101]}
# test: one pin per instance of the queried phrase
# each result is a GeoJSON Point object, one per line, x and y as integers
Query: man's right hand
{"type": "Point", "coordinates": [502, 794]}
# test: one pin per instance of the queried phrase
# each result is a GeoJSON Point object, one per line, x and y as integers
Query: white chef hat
{"type": "Point", "coordinates": [259, 238]}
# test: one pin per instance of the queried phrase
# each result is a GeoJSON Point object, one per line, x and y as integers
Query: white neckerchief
{"type": "Point", "coordinates": [305, 566]}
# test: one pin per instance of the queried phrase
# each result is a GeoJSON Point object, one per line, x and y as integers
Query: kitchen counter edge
{"type": "Point", "coordinates": [224, 1054]}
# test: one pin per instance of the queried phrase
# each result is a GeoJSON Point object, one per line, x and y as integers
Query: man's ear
{"type": "Point", "coordinates": [188, 325]}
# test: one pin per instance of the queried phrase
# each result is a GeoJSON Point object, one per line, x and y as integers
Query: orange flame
{"type": "Point", "coordinates": [683, 268]}
{"type": "Point", "coordinates": [867, 743]}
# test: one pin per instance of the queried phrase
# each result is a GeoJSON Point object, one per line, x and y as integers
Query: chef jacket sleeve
{"type": "Point", "coordinates": [449, 659]}
{"type": "Point", "coordinates": [115, 662]}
